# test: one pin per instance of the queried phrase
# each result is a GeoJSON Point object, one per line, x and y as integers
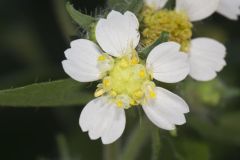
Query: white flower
{"type": "Point", "coordinates": [206, 56]}
{"type": "Point", "coordinates": [126, 81]}
{"type": "Point", "coordinates": [201, 9]}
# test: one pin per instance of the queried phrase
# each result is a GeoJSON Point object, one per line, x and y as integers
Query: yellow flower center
{"type": "Point", "coordinates": [128, 83]}
{"type": "Point", "coordinates": [176, 23]}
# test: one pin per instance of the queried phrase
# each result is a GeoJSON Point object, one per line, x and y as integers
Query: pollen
{"type": "Point", "coordinates": [176, 23]}
{"type": "Point", "coordinates": [102, 58]}
{"type": "Point", "coordinates": [152, 94]}
{"type": "Point", "coordinates": [119, 103]}
{"type": "Point", "coordinates": [142, 73]}
{"type": "Point", "coordinates": [135, 58]}
{"type": "Point", "coordinates": [149, 89]}
{"type": "Point", "coordinates": [106, 82]}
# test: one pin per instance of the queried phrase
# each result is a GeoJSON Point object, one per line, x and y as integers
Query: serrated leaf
{"type": "Point", "coordinates": [163, 38]}
{"type": "Point", "coordinates": [49, 94]}
{"type": "Point", "coordinates": [83, 20]}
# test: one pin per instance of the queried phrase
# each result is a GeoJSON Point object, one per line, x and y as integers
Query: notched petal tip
{"type": "Point", "coordinates": [81, 61]}
{"type": "Point", "coordinates": [102, 119]}
{"type": "Point", "coordinates": [118, 33]}
{"type": "Point", "coordinates": [206, 58]}
{"type": "Point", "coordinates": [167, 110]}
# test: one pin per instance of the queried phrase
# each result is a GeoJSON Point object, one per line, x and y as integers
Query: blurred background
{"type": "Point", "coordinates": [33, 37]}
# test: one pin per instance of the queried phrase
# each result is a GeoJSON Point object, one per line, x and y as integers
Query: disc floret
{"type": "Point", "coordinates": [128, 82]}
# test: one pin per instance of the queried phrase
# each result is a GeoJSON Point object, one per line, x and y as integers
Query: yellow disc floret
{"type": "Point", "coordinates": [126, 82]}
{"type": "Point", "coordinates": [176, 23]}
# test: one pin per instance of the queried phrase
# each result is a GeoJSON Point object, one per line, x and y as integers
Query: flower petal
{"type": "Point", "coordinates": [206, 57]}
{"type": "Point", "coordinates": [229, 8]}
{"type": "Point", "coordinates": [118, 34]}
{"type": "Point", "coordinates": [166, 110]}
{"type": "Point", "coordinates": [101, 118]}
{"type": "Point", "coordinates": [197, 9]}
{"type": "Point", "coordinates": [167, 63]}
{"type": "Point", "coordinates": [156, 4]}
{"type": "Point", "coordinates": [81, 63]}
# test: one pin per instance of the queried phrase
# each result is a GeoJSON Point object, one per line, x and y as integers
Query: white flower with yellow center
{"type": "Point", "coordinates": [206, 55]}
{"type": "Point", "coordinates": [126, 80]}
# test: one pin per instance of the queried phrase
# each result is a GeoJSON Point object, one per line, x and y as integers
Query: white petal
{"type": "Point", "coordinates": [81, 63]}
{"type": "Point", "coordinates": [229, 8]}
{"type": "Point", "coordinates": [197, 9]}
{"type": "Point", "coordinates": [167, 63]}
{"type": "Point", "coordinates": [101, 118]}
{"type": "Point", "coordinates": [156, 4]}
{"type": "Point", "coordinates": [116, 127]}
{"type": "Point", "coordinates": [118, 33]}
{"type": "Point", "coordinates": [206, 57]}
{"type": "Point", "coordinates": [167, 110]}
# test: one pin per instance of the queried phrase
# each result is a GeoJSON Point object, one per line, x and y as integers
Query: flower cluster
{"type": "Point", "coordinates": [126, 80]}
{"type": "Point", "coordinates": [206, 55]}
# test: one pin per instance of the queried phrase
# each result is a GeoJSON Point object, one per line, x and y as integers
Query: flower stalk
{"type": "Point", "coordinates": [136, 140]}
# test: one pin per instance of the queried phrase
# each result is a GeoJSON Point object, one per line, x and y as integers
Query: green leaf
{"type": "Point", "coordinates": [163, 38]}
{"type": "Point", "coordinates": [225, 129]}
{"type": "Point", "coordinates": [212, 93]}
{"type": "Point", "coordinates": [116, 5]}
{"type": "Point", "coordinates": [134, 6]}
{"type": "Point", "coordinates": [83, 20]}
{"type": "Point", "coordinates": [50, 94]}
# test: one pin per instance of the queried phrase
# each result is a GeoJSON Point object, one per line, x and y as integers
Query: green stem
{"type": "Point", "coordinates": [163, 38]}
{"type": "Point", "coordinates": [156, 144]}
{"type": "Point", "coordinates": [135, 142]}
{"type": "Point", "coordinates": [111, 151]}
{"type": "Point", "coordinates": [63, 19]}
{"type": "Point", "coordinates": [62, 148]}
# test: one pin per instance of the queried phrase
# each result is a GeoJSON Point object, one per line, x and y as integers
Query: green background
{"type": "Point", "coordinates": [33, 37]}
